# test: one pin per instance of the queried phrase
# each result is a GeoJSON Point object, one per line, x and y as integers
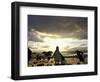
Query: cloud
{"type": "Point", "coordinates": [79, 48]}
{"type": "Point", "coordinates": [34, 36]}
{"type": "Point", "coordinates": [73, 29]}
{"type": "Point", "coordinates": [65, 27]}
{"type": "Point", "coordinates": [37, 36]}
{"type": "Point", "coordinates": [74, 45]}
{"type": "Point", "coordinates": [83, 45]}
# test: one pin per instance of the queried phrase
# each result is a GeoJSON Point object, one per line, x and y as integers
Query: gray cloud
{"type": "Point", "coordinates": [79, 48]}
{"type": "Point", "coordinates": [71, 27]}
{"type": "Point", "coordinates": [34, 36]}
{"type": "Point", "coordinates": [73, 50]}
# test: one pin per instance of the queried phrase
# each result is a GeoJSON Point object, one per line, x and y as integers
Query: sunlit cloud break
{"type": "Point", "coordinates": [48, 42]}
{"type": "Point", "coordinates": [47, 32]}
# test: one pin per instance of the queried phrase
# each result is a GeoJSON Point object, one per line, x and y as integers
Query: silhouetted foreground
{"type": "Point", "coordinates": [47, 59]}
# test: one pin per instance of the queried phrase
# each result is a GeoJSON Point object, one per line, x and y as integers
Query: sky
{"type": "Point", "coordinates": [47, 32]}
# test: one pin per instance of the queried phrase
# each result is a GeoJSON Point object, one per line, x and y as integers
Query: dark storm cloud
{"type": "Point", "coordinates": [66, 27]}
